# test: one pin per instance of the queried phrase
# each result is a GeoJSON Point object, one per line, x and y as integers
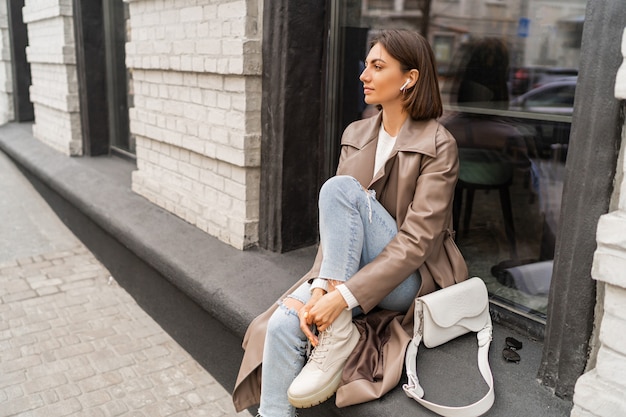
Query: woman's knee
{"type": "Point", "coordinates": [284, 321]}
{"type": "Point", "coordinates": [339, 183]}
{"type": "Point", "coordinates": [338, 187]}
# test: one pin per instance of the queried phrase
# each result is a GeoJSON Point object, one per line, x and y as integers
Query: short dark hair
{"type": "Point", "coordinates": [412, 50]}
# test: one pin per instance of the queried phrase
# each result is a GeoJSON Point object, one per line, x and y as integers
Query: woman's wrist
{"type": "Point", "coordinates": [319, 283]}
{"type": "Point", "coordinates": [318, 292]}
{"type": "Point", "coordinates": [347, 296]}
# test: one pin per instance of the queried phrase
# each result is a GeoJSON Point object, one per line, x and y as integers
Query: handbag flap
{"type": "Point", "coordinates": [450, 306]}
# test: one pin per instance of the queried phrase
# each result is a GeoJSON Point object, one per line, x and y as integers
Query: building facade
{"type": "Point", "coordinates": [232, 110]}
{"type": "Point", "coordinates": [54, 90]}
{"type": "Point", "coordinates": [196, 80]}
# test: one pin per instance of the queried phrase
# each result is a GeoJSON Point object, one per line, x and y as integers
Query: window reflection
{"type": "Point", "coordinates": [508, 71]}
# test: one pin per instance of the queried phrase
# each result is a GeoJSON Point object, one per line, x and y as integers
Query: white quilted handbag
{"type": "Point", "coordinates": [442, 316]}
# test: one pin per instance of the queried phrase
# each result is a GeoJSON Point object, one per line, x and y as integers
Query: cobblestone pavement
{"type": "Point", "coordinates": [74, 343]}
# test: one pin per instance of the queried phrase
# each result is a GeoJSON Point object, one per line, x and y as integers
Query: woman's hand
{"type": "Point", "coordinates": [304, 315]}
{"type": "Point", "coordinates": [326, 310]}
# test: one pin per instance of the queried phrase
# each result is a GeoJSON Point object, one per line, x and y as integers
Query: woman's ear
{"type": "Point", "coordinates": [413, 75]}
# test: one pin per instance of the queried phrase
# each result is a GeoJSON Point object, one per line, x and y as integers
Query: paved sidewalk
{"type": "Point", "coordinates": [73, 342]}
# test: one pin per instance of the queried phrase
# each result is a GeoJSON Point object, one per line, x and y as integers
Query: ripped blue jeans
{"type": "Point", "coordinates": [354, 229]}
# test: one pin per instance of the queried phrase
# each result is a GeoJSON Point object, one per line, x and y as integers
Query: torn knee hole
{"type": "Point", "coordinates": [293, 304]}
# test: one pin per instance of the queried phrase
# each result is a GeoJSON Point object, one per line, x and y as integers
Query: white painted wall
{"type": "Point", "coordinates": [196, 81]}
{"type": "Point", "coordinates": [54, 88]}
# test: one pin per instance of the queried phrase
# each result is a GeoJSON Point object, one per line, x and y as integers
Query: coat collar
{"type": "Point", "coordinates": [414, 135]}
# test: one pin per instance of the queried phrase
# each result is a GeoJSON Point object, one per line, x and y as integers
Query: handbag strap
{"type": "Point", "coordinates": [414, 390]}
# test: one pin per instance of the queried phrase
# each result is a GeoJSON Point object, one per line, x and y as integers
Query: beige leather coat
{"type": "Point", "coordinates": [416, 187]}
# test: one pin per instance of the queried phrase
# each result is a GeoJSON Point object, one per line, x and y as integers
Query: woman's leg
{"type": "Point", "coordinates": [354, 229]}
{"type": "Point", "coordinates": [284, 355]}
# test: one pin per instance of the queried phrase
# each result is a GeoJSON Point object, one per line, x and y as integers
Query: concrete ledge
{"type": "Point", "coordinates": [198, 264]}
{"type": "Point", "coordinates": [231, 287]}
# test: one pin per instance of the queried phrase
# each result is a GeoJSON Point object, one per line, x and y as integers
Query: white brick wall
{"type": "Point", "coordinates": [54, 88]}
{"type": "Point", "coordinates": [599, 392]}
{"type": "Point", "coordinates": [6, 77]}
{"type": "Point", "coordinates": [196, 67]}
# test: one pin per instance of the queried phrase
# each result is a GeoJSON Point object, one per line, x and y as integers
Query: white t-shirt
{"type": "Point", "coordinates": [386, 143]}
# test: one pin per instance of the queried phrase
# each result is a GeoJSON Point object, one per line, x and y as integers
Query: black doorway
{"type": "Point", "coordinates": [23, 107]}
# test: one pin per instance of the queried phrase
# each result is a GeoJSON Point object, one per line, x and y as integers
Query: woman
{"type": "Point", "coordinates": [384, 238]}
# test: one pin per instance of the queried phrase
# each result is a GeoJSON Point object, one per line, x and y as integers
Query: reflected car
{"type": "Point", "coordinates": [525, 78]}
{"type": "Point", "coordinates": [552, 98]}
{"type": "Point", "coordinates": [549, 138]}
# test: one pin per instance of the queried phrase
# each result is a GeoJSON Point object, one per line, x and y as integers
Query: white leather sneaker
{"type": "Point", "coordinates": [320, 377]}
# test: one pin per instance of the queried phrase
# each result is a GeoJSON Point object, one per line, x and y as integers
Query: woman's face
{"type": "Point", "coordinates": [382, 77]}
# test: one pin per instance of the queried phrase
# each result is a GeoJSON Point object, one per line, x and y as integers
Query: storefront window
{"type": "Point", "coordinates": [508, 71]}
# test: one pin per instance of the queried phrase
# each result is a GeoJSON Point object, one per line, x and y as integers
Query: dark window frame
{"type": "Point", "coordinates": [23, 110]}
{"type": "Point", "coordinates": [90, 60]}
{"type": "Point", "coordinates": [590, 172]}
{"type": "Point", "coordinates": [291, 122]}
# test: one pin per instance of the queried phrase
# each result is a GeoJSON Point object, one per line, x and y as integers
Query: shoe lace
{"type": "Point", "coordinates": [319, 353]}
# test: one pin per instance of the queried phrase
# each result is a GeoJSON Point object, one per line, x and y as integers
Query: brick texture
{"type": "Point", "coordinates": [88, 349]}
{"type": "Point", "coordinates": [54, 88]}
{"type": "Point", "coordinates": [196, 83]}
